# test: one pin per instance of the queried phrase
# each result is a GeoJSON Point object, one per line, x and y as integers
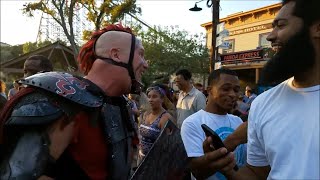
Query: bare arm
{"type": "Point", "coordinates": [249, 172]}
{"type": "Point", "coordinates": [60, 135]}
{"type": "Point", "coordinates": [164, 120]}
{"type": "Point", "coordinates": [239, 136]}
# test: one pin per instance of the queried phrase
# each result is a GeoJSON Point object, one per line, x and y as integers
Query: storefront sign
{"type": "Point", "coordinates": [255, 55]}
{"type": "Point", "coordinates": [244, 55]}
{"type": "Point", "coordinates": [250, 29]}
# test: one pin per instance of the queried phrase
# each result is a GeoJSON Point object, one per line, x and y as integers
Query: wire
{"type": "Point", "coordinates": [199, 1]}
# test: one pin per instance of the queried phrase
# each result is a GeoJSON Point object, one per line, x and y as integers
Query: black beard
{"type": "Point", "coordinates": [295, 57]}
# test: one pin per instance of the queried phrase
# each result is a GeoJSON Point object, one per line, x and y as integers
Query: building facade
{"type": "Point", "coordinates": [247, 50]}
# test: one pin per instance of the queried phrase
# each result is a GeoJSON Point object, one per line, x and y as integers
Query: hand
{"type": "Point", "coordinates": [219, 159]}
{"type": "Point", "coordinates": [212, 161]}
{"type": "Point", "coordinates": [136, 112]}
{"type": "Point", "coordinates": [60, 135]}
{"type": "Point", "coordinates": [45, 178]}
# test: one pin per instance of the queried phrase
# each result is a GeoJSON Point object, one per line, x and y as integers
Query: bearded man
{"type": "Point", "coordinates": [283, 124]}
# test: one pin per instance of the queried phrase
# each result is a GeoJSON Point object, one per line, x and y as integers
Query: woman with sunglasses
{"type": "Point", "coordinates": [153, 120]}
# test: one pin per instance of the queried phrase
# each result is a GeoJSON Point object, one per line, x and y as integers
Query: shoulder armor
{"type": "Point", "coordinates": [40, 112]}
{"type": "Point", "coordinates": [65, 85]}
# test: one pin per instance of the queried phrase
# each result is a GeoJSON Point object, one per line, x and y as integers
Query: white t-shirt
{"type": "Point", "coordinates": [193, 135]}
{"type": "Point", "coordinates": [283, 132]}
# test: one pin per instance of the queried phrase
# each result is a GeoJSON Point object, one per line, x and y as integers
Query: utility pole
{"type": "Point", "coordinates": [215, 4]}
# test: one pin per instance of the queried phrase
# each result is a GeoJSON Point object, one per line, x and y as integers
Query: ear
{"type": "Point", "coordinates": [315, 30]}
{"type": "Point", "coordinates": [114, 54]}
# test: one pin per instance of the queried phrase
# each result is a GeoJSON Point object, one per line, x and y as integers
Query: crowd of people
{"type": "Point", "coordinates": [55, 125]}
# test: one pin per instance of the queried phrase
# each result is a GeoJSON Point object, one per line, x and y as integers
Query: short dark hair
{"type": "Point", "coordinates": [185, 73]}
{"type": "Point", "coordinates": [45, 63]}
{"type": "Point", "coordinates": [198, 85]}
{"type": "Point", "coordinates": [308, 10]}
{"type": "Point", "coordinates": [215, 75]}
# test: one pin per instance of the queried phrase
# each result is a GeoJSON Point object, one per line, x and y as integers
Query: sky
{"type": "Point", "coordinates": [17, 28]}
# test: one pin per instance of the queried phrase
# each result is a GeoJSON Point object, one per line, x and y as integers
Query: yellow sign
{"type": "Point", "coordinates": [250, 29]}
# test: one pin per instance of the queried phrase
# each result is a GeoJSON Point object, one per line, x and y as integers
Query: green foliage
{"type": "Point", "coordinates": [169, 49]}
{"type": "Point", "coordinates": [99, 13]}
{"type": "Point", "coordinates": [86, 34]}
{"type": "Point", "coordinates": [44, 43]}
{"type": "Point", "coordinates": [107, 12]}
{"type": "Point", "coordinates": [29, 46]}
{"type": "Point", "coordinates": [10, 52]}
{"type": "Point", "coordinates": [166, 49]}
{"type": "Point", "coordinates": [62, 13]}
{"type": "Point", "coordinates": [32, 46]}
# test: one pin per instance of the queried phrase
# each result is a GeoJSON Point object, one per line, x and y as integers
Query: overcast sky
{"type": "Point", "coordinates": [18, 29]}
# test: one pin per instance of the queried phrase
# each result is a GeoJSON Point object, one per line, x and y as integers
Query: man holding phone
{"type": "Point", "coordinates": [223, 94]}
{"type": "Point", "coordinates": [283, 124]}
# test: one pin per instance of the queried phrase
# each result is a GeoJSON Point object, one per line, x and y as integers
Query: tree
{"type": "Point", "coordinates": [64, 10]}
{"type": "Point", "coordinates": [10, 52]}
{"type": "Point", "coordinates": [107, 12]}
{"type": "Point", "coordinates": [62, 13]}
{"type": "Point", "coordinates": [28, 47]}
{"type": "Point", "coordinates": [169, 49]}
{"type": "Point", "coordinates": [32, 46]}
{"type": "Point", "coordinates": [44, 43]}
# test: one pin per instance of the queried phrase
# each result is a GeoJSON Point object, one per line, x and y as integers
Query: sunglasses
{"type": "Point", "coordinates": [156, 88]}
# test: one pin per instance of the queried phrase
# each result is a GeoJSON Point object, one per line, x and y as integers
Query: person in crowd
{"type": "Point", "coordinates": [287, 113]}
{"type": "Point", "coordinates": [13, 90]}
{"type": "Point", "coordinates": [199, 86]}
{"type": "Point", "coordinates": [167, 102]}
{"type": "Point", "coordinates": [3, 89]}
{"type": "Point", "coordinates": [3, 101]}
{"type": "Point", "coordinates": [153, 121]}
{"type": "Point", "coordinates": [134, 106]}
{"type": "Point", "coordinates": [250, 96]}
{"type": "Point", "coordinates": [35, 64]}
{"type": "Point", "coordinates": [190, 99]}
{"type": "Point", "coordinates": [144, 104]}
{"type": "Point", "coordinates": [82, 128]}
{"type": "Point", "coordinates": [205, 92]}
{"type": "Point", "coordinates": [165, 85]}
{"type": "Point", "coordinates": [223, 94]}
{"type": "Point", "coordinates": [241, 109]}
{"type": "Point", "coordinates": [131, 99]}
{"type": "Point", "coordinates": [175, 98]}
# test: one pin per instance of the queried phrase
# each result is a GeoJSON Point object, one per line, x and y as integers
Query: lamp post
{"type": "Point", "coordinates": [214, 4]}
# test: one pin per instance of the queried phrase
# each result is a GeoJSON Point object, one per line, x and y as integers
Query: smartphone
{"type": "Point", "coordinates": [216, 140]}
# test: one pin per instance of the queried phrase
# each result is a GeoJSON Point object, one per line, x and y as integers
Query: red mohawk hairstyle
{"type": "Point", "coordinates": [86, 55]}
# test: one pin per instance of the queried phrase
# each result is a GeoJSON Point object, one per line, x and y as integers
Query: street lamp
{"type": "Point", "coordinates": [214, 4]}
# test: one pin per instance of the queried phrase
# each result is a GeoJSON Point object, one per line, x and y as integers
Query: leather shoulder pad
{"type": "Point", "coordinates": [33, 114]}
{"type": "Point", "coordinates": [65, 85]}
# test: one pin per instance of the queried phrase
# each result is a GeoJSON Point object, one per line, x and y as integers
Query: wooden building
{"type": "Point", "coordinates": [248, 48]}
{"type": "Point", "coordinates": [61, 56]}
